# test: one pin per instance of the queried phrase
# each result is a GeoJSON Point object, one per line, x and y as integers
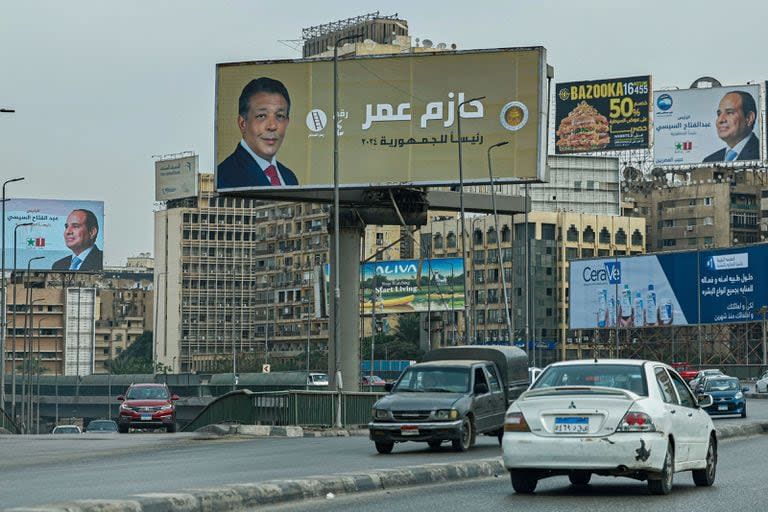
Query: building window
{"type": "Point", "coordinates": [506, 234]}
{"type": "Point", "coordinates": [477, 236]}
{"type": "Point", "coordinates": [669, 242]}
{"type": "Point", "coordinates": [708, 201]}
{"type": "Point", "coordinates": [708, 221]}
{"type": "Point", "coordinates": [573, 234]}
{"type": "Point", "coordinates": [605, 236]}
{"type": "Point", "coordinates": [621, 237]}
{"type": "Point", "coordinates": [637, 237]}
{"type": "Point", "coordinates": [577, 186]}
{"type": "Point", "coordinates": [589, 235]}
{"type": "Point", "coordinates": [450, 240]}
{"type": "Point", "coordinates": [547, 231]}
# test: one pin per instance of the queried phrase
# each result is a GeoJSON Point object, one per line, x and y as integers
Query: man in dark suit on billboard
{"type": "Point", "coordinates": [263, 116]}
{"type": "Point", "coordinates": [80, 234]}
{"type": "Point", "coordinates": [736, 116]}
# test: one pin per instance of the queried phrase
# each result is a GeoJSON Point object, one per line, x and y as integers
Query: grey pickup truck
{"type": "Point", "coordinates": [455, 394]}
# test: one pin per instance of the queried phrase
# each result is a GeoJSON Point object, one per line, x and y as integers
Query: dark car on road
{"type": "Point", "coordinates": [101, 426]}
{"type": "Point", "coordinates": [147, 406]}
{"type": "Point", "coordinates": [727, 395]}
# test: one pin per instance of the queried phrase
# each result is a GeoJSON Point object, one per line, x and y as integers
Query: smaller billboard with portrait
{"type": "Point", "coordinates": [707, 126]}
{"type": "Point", "coordinates": [52, 234]}
{"type": "Point", "coordinates": [176, 178]}
{"type": "Point", "coordinates": [603, 115]}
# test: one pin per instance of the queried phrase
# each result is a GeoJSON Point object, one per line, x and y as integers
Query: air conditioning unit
{"type": "Point", "coordinates": [689, 228]}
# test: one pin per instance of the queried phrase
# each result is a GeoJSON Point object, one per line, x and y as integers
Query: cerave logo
{"type": "Point", "coordinates": [610, 272]}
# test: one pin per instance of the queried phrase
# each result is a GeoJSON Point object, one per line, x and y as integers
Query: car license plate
{"type": "Point", "coordinates": [409, 430]}
{"type": "Point", "coordinates": [571, 424]}
{"type": "Point", "coordinates": [146, 417]}
{"type": "Point", "coordinates": [722, 407]}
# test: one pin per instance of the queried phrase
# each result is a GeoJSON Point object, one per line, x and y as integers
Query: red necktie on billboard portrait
{"type": "Point", "coordinates": [271, 173]}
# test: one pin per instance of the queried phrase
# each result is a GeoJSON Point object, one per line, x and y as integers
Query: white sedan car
{"type": "Point", "coordinates": [611, 417]}
{"type": "Point", "coordinates": [762, 383]}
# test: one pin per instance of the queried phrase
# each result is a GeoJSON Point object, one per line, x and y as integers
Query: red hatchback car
{"type": "Point", "coordinates": [147, 406]}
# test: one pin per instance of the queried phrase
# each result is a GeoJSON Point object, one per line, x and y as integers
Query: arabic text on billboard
{"type": "Point", "coordinates": [67, 235]}
{"type": "Point", "coordinates": [713, 125]}
{"type": "Point", "coordinates": [602, 115]}
{"type": "Point", "coordinates": [666, 289]}
{"type": "Point", "coordinates": [398, 120]}
{"type": "Point", "coordinates": [176, 178]}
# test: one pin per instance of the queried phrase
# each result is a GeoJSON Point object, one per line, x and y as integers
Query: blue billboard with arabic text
{"type": "Point", "coordinates": [53, 234]}
{"type": "Point", "coordinates": [682, 288]}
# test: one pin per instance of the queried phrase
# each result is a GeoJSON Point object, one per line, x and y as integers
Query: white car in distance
{"type": "Point", "coordinates": [761, 386]}
{"type": "Point", "coordinates": [610, 417]}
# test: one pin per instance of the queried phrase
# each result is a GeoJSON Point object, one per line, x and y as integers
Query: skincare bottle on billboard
{"type": "Point", "coordinates": [602, 307]}
{"type": "Point", "coordinates": [650, 306]}
{"type": "Point", "coordinates": [612, 311]}
{"type": "Point", "coordinates": [666, 312]}
{"type": "Point", "coordinates": [626, 303]}
{"type": "Point", "coordinates": [639, 309]}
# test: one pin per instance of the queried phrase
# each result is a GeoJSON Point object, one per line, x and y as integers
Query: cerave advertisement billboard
{"type": "Point", "coordinates": [398, 120]}
{"type": "Point", "coordinates": [405, 286]}
{"type": "Point", "coordinates": [726, 285]}
{"type": "Point", "coordinates": [176, 178]}
{"type": "Point", "coordinates": [61, 230]}
{"type": "Point", "coordinates": [695, 126]}
{"type": "Point", "coordinates": [603, 115]}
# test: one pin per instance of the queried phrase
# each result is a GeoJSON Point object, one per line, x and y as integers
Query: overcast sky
{"type": "Point", "coordinates": [101, 86]}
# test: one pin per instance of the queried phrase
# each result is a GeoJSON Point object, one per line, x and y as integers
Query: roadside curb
{"type": "Point", "coordinates": [244, 496]}
{"type": "Point", "coordinates": [277, 431]}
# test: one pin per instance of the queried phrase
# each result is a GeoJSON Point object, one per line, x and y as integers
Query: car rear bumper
{"type": "Point", "coordinates": [619, 452]}
{"type": "Point", "coordinates": [401, 432]}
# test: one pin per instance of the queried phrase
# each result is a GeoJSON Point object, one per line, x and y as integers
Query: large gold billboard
{"type": "Point", "coordinates": [398, 120]}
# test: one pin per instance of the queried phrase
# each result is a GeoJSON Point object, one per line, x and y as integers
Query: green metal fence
{"type": "Point", "coordinates": [7, 423]}
{"type": "Point", "coordinates": [282, 408]}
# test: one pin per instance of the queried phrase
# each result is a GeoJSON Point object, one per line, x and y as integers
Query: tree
{"type": "Point", "coordinates": [136, 358]}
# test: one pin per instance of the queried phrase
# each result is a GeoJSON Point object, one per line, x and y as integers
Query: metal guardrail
{"type": "Point", "coordinates": [283, 408]}
{"type": "Point", "coordinates": [7, 423]}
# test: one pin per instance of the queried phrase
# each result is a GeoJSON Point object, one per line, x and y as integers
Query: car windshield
{"type": "Point", "coordinates": [319, 378]}
{"type": "Point", "coordinates": [434, 380]}
{"type": "Point", "coordinates": [148, 393]}
{"type": "Point", "coordinates": [721, 385]}
{"type": "Point", "coordinates": [106, 425]}
{"type": "Point", "coordinates": [66, 430]}
{"type": "Point", "coordinates": [629, 377]}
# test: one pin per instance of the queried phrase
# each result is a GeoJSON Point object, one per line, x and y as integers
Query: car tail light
{"type": "Point", "coordinates": [635, 421]}
{"type": "Point", "coordinates": [515, 422]}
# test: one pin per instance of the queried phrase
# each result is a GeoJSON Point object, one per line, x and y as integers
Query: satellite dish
{"type": "Point", "coordinates": [631, 173]}
{"type": "Point", "coordinates": [369, 43]}
{"type": "Point", "coordinates": [427, 43]}
{"type": "Point", "coordinates": [705, 82]}
{"type": "Point", "coordinates": [442, 46]}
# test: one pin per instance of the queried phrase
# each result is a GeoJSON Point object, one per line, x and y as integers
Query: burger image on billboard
{"type": "Point", "coordinates": [583, 129]}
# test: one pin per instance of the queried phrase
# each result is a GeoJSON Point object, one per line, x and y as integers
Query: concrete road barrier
{"type": "Point", "coordinates": [246, 496]}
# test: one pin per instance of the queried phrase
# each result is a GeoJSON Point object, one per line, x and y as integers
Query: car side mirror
{"type": "Point", "coordinates": [174, 397]}
{"type": "Point", "coordinates": [388, 387]}
{"type": "Point", "coordinates": [481, 388]}
{"type": "Point", "coordinates": [705, 400]}
{"type": "Point", "coordinates": [120, 398]}
{"type": "Point", "coordinates": [745, 389]}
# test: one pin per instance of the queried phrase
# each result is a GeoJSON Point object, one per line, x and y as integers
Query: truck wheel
{"type": "Point", "coordinates": [435, 445]}
{"type": "Point", "coordinates": [384, 448]}
{"type": "Point", "coordinates": [467, 436]}
{"type": "Point", "coordinates": [580, 477]}
{"type": "Point", "coordinates": [523, 482]}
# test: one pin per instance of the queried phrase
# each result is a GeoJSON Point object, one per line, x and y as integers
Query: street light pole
{"type": "Point", "coordinates": [763, 310]}
{"type": "Point", "coordinates": [498, 241]}
{"type": "Point", "coordinates": [13, 359]}
{"type": "Point", "coordinates": [4, 317]}
{"type": "Point", "coordinates": [336, 207]}
{"type": "Point", "coordinates": [461, 208]}
{"type": "Point", "coordinates": [26, 390]}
